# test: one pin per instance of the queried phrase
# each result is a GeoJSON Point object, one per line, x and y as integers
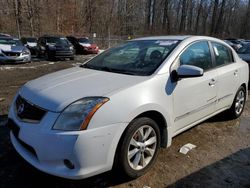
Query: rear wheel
{"type": "Point", "coordinates": [239, 103]}
{"type": "Point", "coordinates": [139, 147]}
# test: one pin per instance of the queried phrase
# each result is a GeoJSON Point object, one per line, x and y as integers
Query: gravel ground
{"type": "Point", "coordinates": [221, 158]}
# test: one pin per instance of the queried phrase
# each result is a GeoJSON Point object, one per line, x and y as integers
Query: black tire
{"type": "Point", "coordinates": [71, 58]}
{"type": "Point", "coordinates": [233, 112]}
{"type": "Point", "coordinates": [132, 131]}
{"type": "Point", "coordinates": [46, 56]}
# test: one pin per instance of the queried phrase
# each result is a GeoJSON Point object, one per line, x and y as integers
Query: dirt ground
{"type": "Point", "coordinates": [221, 158]}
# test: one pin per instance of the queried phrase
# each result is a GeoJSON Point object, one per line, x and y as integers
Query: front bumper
{"type": "Point", "coordinates": [91, 151]}
{"type": "Point", "coordinates": [91, 51]}
{"type": "Point", "coordinates": [62, 54]}
{"type": "Point", "coordinates": [13, 59]}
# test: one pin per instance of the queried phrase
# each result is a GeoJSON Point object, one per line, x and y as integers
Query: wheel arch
{"type": "Point", "coordinates": [160, 121]}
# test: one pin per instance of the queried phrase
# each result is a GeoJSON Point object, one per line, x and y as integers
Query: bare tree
{"type": "Point", "coordinates": [214, 17]}
{"type": "Point", "coordinates": [30, 14]}
{"type": "Point", "coordinates": [219, 24]}
{"type": "Point", "coordinates": [17, 7]}
{"type": "Point", "coordinates": [183, 16]}
{"type": "Point", "coordinates": [198, 16]}
{"type": "Point", "coordinates": [166, 19]}
{"type": "Point", "coordinates": [245, 22]}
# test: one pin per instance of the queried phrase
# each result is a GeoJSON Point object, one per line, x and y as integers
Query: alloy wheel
{"type": "Point", "coordinates": [240, 101]}
{"type": "Point", "coordinates": [142, 147]}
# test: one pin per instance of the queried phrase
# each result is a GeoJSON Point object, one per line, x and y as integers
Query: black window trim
{"type": "Point", "coordinates": [213, 54]}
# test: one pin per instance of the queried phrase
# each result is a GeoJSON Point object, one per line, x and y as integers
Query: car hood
{"type": "Point", "coordinates": [85, 44]}
{"type": "Point", "coordinates": [245, 57]}
{"type": "Point", "coordinates": [10, 48]}
{"type": "Point", "coordinates": [55, 91]}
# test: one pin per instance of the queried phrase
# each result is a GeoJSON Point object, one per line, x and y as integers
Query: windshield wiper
{"type": "Point", "coordinates": [89, 66]}
{"type": "Point", "coordinates": [108, 69]}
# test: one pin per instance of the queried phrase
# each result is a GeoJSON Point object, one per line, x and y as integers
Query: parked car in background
{"type": "Point", "coordinates": [4, 35]}
{"type": "Point", "coordinates": [244, 53]}
{"type": "Point", "coordinates": [13, 51]}
{"type": "Point", "coordinates": [121, 106]}
{"type": "Point", "coordinates": [233, 45]}
{"type": "Point", "coordinates": [30, 43]}
{"type": "Point", "coordinates": [237, 44]}
{"type": "Point", "coordinates": [83, 45]}
{"type": "Point", "coordinates": [54, 47]}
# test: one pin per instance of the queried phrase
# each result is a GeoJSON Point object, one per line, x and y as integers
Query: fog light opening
{"type": "Point", "coordinates": [68, 164]}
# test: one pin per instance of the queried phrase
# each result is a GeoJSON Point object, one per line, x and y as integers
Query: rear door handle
{"type": "Point", "coordinates": [212, 82]}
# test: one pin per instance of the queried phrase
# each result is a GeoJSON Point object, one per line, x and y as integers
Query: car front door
{"type": "Point", "coordinates": [194, 98]}
{"type": "Point", "coordinates": [228, 75]}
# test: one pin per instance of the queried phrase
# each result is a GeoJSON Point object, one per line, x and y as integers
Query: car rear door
{"type": "Point", "coordinates": [195, 98]}
{"type": "Point", "coordinates": [228, 75]}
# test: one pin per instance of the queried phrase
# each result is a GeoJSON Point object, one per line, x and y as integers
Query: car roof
{"type": "Point", "coordinates": [169, 37]}
{"type": "Point", "coordinates": [29, 38]}
{"type": "Point", "coordinates": [54, 36]}
{"type": "Point", "coordinates": [4, 37]}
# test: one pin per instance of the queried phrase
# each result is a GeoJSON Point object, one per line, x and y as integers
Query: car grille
{"type": "Point", "coordinates": [28, 112]}
{"type": "Point", "coordinates": [12, 54]}
{"type": "Point", "coordinates": [62, 53]}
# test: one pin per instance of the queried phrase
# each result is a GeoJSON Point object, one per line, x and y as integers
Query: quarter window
{"type": "Point", "coordinates": [222, 54]}
{"type": "Point", "coordinates": [198, 54]}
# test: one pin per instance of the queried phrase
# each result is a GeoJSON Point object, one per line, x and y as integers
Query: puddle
{"type": "Point", "coordinates": [245, 124]}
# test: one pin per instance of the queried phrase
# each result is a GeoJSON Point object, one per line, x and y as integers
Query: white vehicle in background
{"type": "Point", "coordinates": [30, 43]}
{"type": "Point", "coordinates": [120, 107]}
{"type": "Point", "coordinates": [13, 51]}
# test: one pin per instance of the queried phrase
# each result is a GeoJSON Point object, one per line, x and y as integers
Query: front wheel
{"type": "Point", "coordinates": [239, 103]}
{"type": "Point", "coordinates": [139, 147]}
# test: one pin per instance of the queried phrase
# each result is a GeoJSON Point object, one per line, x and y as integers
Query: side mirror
{"type": "Point", "coordinates": [186, 71]}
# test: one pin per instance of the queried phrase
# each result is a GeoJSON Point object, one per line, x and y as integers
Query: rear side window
{"type": "Point", "coordinates": [222, 54]}
{"type": "Point", "coordinates": [198, 54]}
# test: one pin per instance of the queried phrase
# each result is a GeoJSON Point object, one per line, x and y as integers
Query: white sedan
{"type": "Point", "coordinates": [120, 107]}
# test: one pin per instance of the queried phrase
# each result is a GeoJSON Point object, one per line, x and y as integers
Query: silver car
{"type": "Point", "coordinates": [13, 51]}
{"type": "Point", "coordinates": [120, 107]}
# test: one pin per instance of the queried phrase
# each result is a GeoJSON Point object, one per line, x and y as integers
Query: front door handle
{"type": "Point", "coordinates": [212, 82]}
{"type": "Point", "coordinates": [236, 72]}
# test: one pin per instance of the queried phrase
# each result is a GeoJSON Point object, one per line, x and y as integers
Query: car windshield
{"type": "Point", "coordinates": [245, 49]}
{"type": "Point", "coordinates": [31, 40]}
{"type": "Point", "coordinates": [85, 40]}
{"type": "Point", "coordinates": [57, 41]}
{"type": "Point", "coordinates": [140, 57]}
{"type": "Point", "coordinates": [10, 41]}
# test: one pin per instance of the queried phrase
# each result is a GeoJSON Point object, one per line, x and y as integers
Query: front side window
{"type": "Point", "coordinates": [198, 54]}
{"type": "Point", "coordinates": [140, 57]}
{"type": "Point", "coordinates": [222, 54]}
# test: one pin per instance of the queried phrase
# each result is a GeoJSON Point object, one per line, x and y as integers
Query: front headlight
{"type": "Point", "coordinates": [71, 48]}
{"type": "Point", "coordinates": [78, 115]}
{"type": "Point", "coordinates": [26, 52]}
